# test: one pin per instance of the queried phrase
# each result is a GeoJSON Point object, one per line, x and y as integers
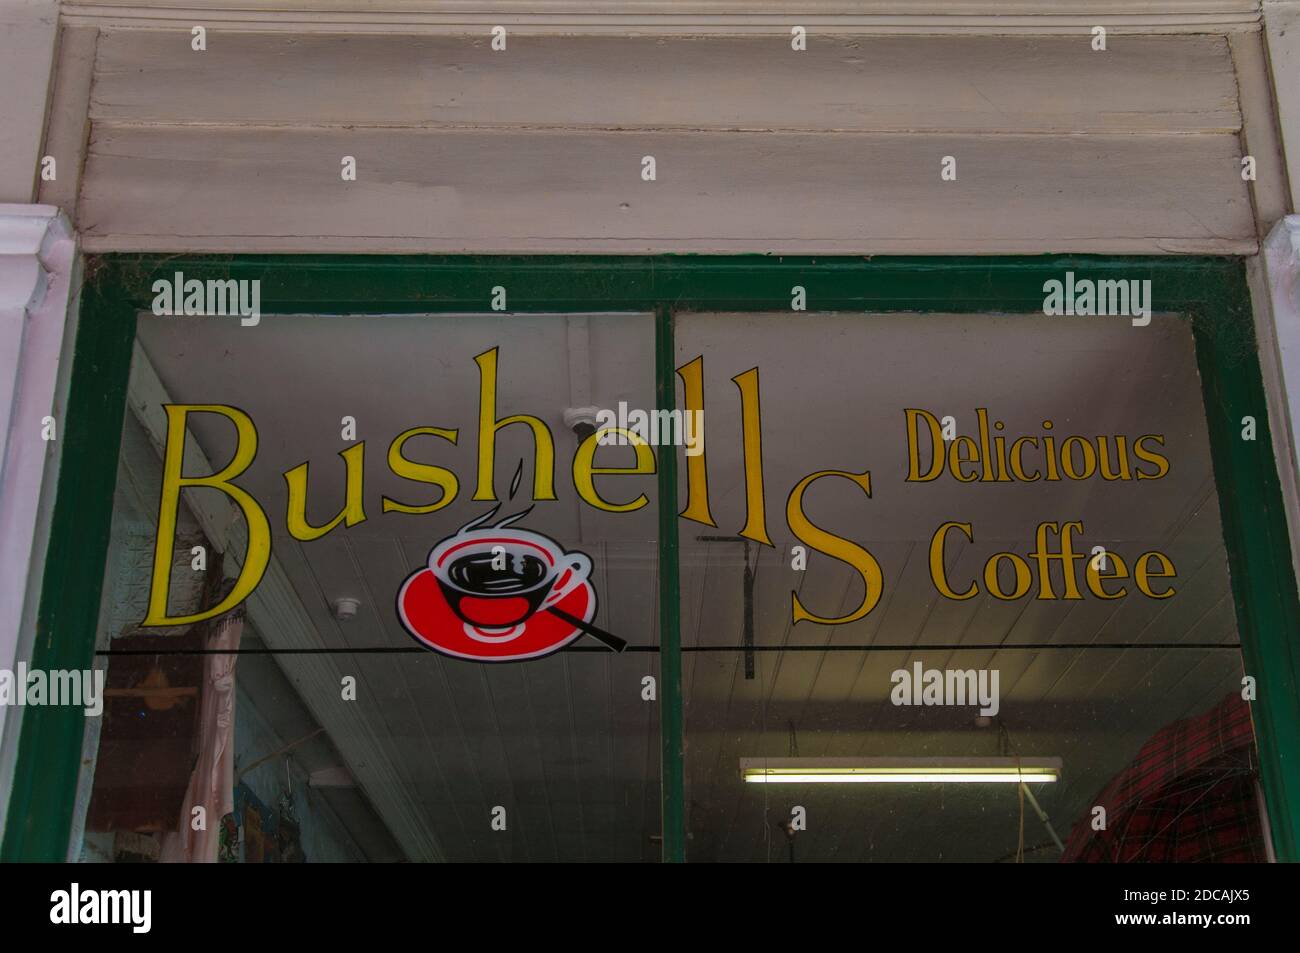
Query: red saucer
{"type": "Point", "coordinates": [426, 615]}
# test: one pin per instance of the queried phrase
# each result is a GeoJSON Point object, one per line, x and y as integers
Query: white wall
{"type": "Point", "coordinates": [758, 148]}
{"type": "Point", "coordinates": [27, 33]}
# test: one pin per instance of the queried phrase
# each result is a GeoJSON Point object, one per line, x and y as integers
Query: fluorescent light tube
{"type": "Point", "coordinates": [899, 770]}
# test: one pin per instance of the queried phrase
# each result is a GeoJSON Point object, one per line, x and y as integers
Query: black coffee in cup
{"type": "Point", "coordinates": [496, 574]}
{"type": "Point", "coordinates": [496, 580]}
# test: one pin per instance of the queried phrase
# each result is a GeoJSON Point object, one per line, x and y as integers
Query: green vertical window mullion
{"type": "Point", "coordinates": [1259, 553]}
{"type": "Point", "coordinates": [672, 769]}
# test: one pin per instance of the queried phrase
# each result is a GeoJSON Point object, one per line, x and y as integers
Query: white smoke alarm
{"type": "Point", "coordinates": [345, 608]}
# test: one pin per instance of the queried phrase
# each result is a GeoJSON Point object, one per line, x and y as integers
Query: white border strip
{"type": "Point", "coordinates": [630, 17]}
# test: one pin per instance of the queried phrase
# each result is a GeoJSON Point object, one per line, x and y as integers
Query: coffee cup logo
{"type": "Point", "coordinates": [501, 594]}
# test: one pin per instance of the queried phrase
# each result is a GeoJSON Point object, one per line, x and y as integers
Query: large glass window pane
{"type": "Point", "coordinates": [1030, 586]}
{"type": "Point", "coordinates": [426, 668]}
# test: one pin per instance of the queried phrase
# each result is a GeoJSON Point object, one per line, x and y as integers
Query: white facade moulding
{"type": "Point", "coordinates": [1278, 319]}
{"type": "Point", "coordinates": [1282, 263]}
{"type": "Point", "coordinates": [674, 17]}
{"type": "Point", "coordinates": [1282, 29]}
{"type": "Point", "coordinates": [37, 258]}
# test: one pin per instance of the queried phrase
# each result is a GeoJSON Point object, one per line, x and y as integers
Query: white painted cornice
{"type": "Point", "coordinates": [693, 17]}
{"type": "Point", "coordinates": [36, 248]}
{"type": "Point", "coordinates": [35, 240]}
{"type": "Point", "coordinates": [23, 228]}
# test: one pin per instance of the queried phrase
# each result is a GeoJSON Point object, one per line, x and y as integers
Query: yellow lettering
{"type": "Point", "coordinates": [488, 426]}
{"type": "Point", "coordinates": [835, 547]}
{"type": "Point", "coordinates": [421, 472]}
{"type": "Point", "coordinates": [1096, 578]}
{"type": "Point", "coordinates": [1141, 571]}
{"type": "Point", "coordinates": [352, 512]}
{"type": "Point", "coordinates": [259, 530]}
{"type": "Point", "coordinates": [751, 425]}
{"type": "Point", "coordinates": [697, 473]}
{"type": "Point", "coordinates": [914, 474]}
{"type": "Point", "coordinates": [584, 473]}
{"type": "Point", "coordinates": [1023, 576]}
{"type": "Point", "coordinates": [1151, 456]}
{"type": "Point", "coordinates": [937, 573]}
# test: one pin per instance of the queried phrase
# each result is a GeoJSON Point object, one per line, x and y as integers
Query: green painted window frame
{"type": "Point", "coordinates": [1211, 292]}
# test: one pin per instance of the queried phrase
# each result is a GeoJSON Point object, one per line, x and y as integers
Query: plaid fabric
{"type": "Point", "coordinates": [1188, 796]}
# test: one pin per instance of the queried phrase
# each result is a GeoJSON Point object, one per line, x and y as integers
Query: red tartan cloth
{"type": "Point", "coordinates": [1188, 796]}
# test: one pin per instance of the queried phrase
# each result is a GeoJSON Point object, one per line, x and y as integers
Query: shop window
{"type": "Point", "coordinates": [627, 574]}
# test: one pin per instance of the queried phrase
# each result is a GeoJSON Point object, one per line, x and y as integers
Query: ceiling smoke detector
{"type": "Point", "coordinates": [345, 608]}
{"type": "Point", "coordinates": [581, 420]}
